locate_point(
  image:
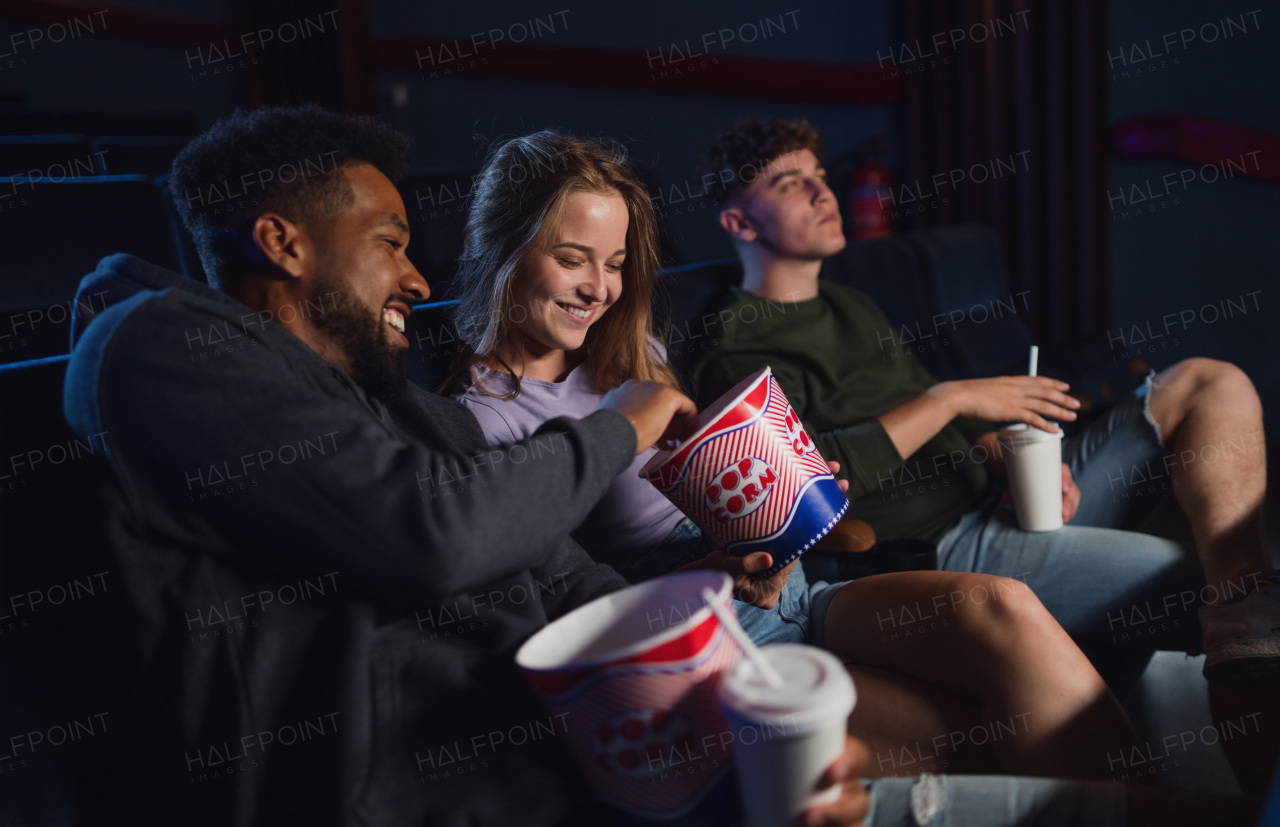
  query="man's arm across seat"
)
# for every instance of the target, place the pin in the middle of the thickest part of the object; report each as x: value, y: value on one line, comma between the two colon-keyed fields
x: 334, y: 486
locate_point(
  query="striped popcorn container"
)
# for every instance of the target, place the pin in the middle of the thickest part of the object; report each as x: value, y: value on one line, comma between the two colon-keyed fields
x: 751, y: 477
x: 636, y: 674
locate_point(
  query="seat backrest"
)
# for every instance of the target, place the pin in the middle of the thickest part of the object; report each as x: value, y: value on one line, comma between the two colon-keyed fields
x: 59, y: 229
x: 57, y: 592
x: 966, y: 279
x: 188, y: 256
x: 887, y: 270
x: 132, y: 122
x: 433, y: 340
x: 49, y: 156
x: 436, y: 203
x: 37, y: 332
x: 138, y: 154
x: 946, y: 295
x: 685, y: 299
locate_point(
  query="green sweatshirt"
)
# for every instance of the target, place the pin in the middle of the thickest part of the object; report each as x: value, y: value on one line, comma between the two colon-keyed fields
x: 841, y: 364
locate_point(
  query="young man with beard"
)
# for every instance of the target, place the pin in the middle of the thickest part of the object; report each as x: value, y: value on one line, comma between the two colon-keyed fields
x: 897, y: 432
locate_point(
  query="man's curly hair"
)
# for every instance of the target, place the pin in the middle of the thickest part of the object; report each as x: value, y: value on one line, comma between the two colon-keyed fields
x: 272, y: 159
x: 742, y: 152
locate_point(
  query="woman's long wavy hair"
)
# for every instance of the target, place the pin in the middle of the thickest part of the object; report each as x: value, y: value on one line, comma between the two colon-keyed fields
x: 516, y: 205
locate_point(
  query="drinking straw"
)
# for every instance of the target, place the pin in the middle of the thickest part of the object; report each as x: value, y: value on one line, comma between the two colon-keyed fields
x: 1035, y: 360
x: 730, y: 623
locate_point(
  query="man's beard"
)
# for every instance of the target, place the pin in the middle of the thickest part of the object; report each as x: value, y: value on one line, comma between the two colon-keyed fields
x: 379, y: 366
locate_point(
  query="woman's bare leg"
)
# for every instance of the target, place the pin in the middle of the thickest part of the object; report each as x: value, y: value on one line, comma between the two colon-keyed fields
x: 911, y: 727
x: 988, y: 639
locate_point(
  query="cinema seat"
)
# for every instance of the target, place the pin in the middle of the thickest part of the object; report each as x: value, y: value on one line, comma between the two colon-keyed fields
x: 54, y: 232
x: 436, y: 203
x: 890, y: 271
x: 59, y: 155
x: 683, y: 298
x: 432, y: 343
x: 110, y: 122
x: 36, y: 332
x: 23, y: 121
x: 137, y: 154
x: 188, y: 257
x: 966, y: 285
x: 57, y: 610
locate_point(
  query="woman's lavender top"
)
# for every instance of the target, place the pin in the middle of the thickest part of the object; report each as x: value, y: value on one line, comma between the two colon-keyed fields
x: 633, y: 516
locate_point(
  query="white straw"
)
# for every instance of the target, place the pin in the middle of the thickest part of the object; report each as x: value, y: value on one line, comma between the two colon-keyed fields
x: 1035, y: 361
x: 730, y: 623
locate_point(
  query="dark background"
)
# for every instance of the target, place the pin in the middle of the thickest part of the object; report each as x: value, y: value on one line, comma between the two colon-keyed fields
x: 1052, y: 87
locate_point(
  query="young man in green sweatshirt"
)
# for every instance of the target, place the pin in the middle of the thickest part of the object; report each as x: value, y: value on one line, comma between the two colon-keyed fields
x: 920, y: 453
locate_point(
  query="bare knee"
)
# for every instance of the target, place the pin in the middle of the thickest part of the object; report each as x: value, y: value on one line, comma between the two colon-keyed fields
x: 1198, y: 374
x: 1002, y: 608
x: 1197, y: 382
x: 1012, y: 630
x: 1230, y: 382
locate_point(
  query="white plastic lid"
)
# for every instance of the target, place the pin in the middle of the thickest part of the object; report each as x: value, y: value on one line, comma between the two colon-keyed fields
x: 1024, y: 434
x: 816, y: 691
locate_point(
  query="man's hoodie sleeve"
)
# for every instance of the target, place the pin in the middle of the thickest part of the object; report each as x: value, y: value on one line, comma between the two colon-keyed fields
x: 241, y: 455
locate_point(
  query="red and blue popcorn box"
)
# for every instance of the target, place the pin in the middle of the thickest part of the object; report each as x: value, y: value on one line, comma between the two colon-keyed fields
x: 751, y: 477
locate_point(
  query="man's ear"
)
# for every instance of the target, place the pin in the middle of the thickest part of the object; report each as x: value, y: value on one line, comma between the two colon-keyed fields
x: 736, y: 224
x: 282, y: 245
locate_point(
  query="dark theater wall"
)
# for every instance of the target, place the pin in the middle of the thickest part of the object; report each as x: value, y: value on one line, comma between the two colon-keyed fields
x: 1204, y: 244
x: 446, y: 103
x: 99, y: 69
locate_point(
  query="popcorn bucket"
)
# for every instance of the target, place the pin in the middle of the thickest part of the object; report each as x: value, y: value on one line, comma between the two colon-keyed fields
x: 751, y: 477
x: 637, y: 673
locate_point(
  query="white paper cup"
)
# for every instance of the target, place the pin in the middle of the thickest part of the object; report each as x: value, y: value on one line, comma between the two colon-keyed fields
x: 1033, y: 460
x: 787, y: 736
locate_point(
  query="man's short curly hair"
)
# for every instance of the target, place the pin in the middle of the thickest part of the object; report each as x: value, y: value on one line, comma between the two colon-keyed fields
x: 272, y: 159
x: 739, y: 155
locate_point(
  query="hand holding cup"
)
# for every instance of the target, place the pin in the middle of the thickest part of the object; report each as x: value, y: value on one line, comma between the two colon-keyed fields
x: 1033, y: 400
x: 854, y: 803
x: 801, y: 713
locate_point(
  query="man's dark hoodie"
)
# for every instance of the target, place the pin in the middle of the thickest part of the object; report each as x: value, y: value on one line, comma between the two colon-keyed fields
x: 323, y: 593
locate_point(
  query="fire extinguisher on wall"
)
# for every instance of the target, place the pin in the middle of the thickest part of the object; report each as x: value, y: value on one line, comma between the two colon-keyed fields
x: 871, y: 195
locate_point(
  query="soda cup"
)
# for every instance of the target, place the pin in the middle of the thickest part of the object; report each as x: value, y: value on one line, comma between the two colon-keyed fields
x: 1033, y: 460
x: 799, y: 730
